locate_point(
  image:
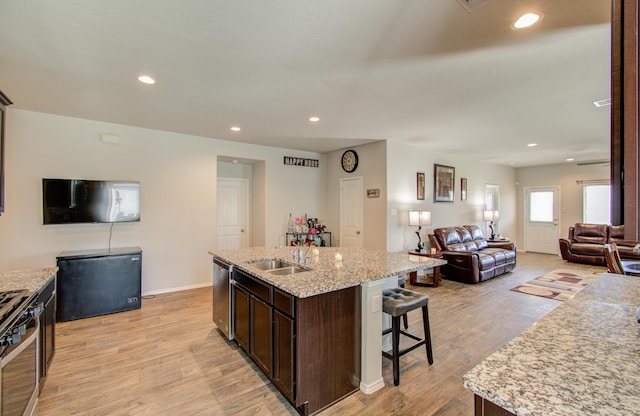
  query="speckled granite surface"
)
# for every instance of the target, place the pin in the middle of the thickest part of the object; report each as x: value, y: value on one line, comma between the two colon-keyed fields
x: 327, y: 274
x: 33, y: 280
x: 583, y: 358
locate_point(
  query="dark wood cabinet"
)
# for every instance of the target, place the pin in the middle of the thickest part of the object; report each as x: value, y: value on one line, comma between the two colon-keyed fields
x: 484, y: 407
x: 4, y: 101
x: 241, y: 317
x: 308, y: 347
x: 284, y: 353
x: 47, y: 342
x: 260, y: 341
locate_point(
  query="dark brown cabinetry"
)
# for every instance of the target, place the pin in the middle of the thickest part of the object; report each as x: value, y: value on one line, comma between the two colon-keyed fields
x: 260, y: 333
x: 283, y: 343
x: 308, y: 347
x: 241, y: 317
x: 253, y: 319
x: 4, y: 101
x: 47, y: 329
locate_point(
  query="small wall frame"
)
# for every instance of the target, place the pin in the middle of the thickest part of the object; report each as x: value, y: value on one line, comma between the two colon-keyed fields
x: 463, y: 189
x: 420, y: 186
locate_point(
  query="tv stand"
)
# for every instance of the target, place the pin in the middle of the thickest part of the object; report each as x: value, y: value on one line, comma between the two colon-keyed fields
x: 98, y: 282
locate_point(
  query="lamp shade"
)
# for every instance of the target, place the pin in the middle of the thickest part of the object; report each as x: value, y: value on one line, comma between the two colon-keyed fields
x: 490, y: 215
x: 419, y: 218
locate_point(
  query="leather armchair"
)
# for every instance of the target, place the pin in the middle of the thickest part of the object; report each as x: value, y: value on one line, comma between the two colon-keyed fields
x: 585, y: 243
x: 470, y: 257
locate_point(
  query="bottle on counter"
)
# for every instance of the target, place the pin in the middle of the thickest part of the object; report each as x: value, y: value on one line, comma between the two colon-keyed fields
x: 290, y: 224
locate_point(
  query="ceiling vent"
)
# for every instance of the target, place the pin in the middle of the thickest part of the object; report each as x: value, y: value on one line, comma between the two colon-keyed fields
x: 471, y: 5
x: 593, y: 162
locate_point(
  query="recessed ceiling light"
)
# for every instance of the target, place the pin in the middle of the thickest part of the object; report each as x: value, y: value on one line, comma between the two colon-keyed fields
x: 235, y: 128
x: 569, y: 159
x: 146, y: 79
x: 532, y: 144
x: 527, y: 20
x: 314, y: 119
x: 602, y: 103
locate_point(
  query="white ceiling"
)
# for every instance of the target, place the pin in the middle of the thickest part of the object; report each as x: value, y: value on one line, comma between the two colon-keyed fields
x: 425, y: 72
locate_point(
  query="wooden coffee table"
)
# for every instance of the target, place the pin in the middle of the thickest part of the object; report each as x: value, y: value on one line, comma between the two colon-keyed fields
x: 432, y: 280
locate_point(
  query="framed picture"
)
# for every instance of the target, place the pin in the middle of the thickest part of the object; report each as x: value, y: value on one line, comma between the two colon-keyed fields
x: 420, y: 185
x: 443, y: 183
x: 463, y: 189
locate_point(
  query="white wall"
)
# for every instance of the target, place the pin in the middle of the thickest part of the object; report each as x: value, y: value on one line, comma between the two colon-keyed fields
x: 177, y: 175
x: 403, y: 163
x: 372, y: 169
x: 564, y: 176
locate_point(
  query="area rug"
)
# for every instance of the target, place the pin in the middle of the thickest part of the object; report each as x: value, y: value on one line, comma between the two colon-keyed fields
x: 559, y: 284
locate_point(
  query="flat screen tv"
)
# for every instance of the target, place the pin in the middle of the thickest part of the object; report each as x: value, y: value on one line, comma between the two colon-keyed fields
x: 69, y: 201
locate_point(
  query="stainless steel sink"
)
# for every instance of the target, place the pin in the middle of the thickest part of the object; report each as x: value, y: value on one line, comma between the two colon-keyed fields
x: 271, y: 264
x: 278, y: 266
x: 289, y: 270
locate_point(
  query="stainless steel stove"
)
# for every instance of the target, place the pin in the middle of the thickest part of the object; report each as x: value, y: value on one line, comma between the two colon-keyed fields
x: 10, y: 300
x: 19, y: 329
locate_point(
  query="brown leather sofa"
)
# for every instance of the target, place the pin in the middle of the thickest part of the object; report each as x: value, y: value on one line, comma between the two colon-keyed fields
x: 470, y: 257
x: 585, y: 243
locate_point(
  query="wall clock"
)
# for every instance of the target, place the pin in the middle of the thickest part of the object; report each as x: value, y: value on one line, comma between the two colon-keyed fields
x: 349, y: 161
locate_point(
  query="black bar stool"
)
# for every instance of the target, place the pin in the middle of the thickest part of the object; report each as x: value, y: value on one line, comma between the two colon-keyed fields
x: 397, y: 302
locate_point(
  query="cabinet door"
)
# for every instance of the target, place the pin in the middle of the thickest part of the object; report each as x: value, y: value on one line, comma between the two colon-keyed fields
x: 241, y: 317
x: 260, y: 334
x: 283, y: 353
x: 49, y: 323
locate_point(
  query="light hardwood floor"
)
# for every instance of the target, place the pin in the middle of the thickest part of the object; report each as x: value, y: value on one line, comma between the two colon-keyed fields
x: 168, y: 357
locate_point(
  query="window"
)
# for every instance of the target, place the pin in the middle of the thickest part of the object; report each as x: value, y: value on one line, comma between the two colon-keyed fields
x: 541, y: 206
x: 596, y: 204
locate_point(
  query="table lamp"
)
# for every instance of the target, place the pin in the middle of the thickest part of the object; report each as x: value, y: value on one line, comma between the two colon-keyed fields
x: 419, y: 218
x: 490, y: 216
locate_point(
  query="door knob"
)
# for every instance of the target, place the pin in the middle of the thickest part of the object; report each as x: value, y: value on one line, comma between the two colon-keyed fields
x: 357, y: 232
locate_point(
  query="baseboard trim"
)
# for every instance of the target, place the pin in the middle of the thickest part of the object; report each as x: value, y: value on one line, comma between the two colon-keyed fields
x: 176, y: 289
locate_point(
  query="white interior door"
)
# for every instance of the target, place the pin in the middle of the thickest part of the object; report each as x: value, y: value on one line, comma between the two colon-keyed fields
x: 541, y: 230
x: 351, y: 190
x: 233, y: 213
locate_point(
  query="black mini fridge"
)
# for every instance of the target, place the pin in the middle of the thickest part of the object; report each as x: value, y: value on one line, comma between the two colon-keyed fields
x: 98, y: 282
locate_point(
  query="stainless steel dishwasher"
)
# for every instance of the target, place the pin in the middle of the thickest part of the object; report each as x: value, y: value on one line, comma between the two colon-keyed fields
x: 222, y: 300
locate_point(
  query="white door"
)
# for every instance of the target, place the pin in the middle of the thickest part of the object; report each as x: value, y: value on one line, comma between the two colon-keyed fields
x: 541, y: 230
x: 233, y: 213
x: 351, y: 190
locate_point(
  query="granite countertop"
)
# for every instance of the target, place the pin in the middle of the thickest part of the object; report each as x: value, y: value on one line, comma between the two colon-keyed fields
x: 583, y: 358
x: 358, y: 265
x: 34, y: 280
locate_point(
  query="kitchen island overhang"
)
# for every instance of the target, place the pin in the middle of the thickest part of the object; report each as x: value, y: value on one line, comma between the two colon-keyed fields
x: 364, y: 273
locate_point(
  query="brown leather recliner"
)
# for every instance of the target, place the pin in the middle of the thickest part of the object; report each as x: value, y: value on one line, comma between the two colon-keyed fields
x: 585, y: 243
x: 470, y: 257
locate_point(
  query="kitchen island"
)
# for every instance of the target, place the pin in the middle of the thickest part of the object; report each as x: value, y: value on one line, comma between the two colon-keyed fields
x: 330, y: 326
x: 583, y: 358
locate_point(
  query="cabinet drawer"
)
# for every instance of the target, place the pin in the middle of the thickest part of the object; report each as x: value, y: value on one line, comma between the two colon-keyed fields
x: 262, y: 290
x: 283, y: 301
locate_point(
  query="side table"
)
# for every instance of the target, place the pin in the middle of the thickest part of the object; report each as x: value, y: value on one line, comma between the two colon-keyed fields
x: 430, y: 280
